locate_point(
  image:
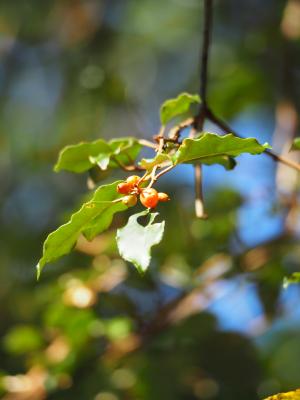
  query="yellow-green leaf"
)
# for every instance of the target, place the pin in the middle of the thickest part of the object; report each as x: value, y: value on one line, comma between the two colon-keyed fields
x: 286, y: 396
x: 296, y: 144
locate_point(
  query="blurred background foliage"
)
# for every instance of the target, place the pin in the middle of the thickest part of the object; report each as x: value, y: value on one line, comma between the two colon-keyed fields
x: 210, y: 320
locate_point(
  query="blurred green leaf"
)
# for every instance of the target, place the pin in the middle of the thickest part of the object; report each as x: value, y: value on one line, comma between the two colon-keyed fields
x: 22, y: 339
x: 93, y: 217
x: 296, y: 144
x: 288, y: 280
x: 214, y: 149
x: 83, y: 156
x: 118, y: 328
x: 178, y: 106
x: 286, y: 396
x: 135, y: 241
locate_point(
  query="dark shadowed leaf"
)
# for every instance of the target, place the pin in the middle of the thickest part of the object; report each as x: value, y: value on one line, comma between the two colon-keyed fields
x: 135, y: 240
x: 178, y: 106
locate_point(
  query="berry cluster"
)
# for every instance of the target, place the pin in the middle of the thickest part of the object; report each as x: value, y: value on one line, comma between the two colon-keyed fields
x: 132, y: 188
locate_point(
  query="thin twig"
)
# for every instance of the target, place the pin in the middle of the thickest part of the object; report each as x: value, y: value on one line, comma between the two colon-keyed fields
x: 164, y: 171
x: 225, y: 127
x: 200, y: 118
x: 147, y: 143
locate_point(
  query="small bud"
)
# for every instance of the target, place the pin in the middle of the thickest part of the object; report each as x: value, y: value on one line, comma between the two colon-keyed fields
x: 163, y: 197
x: 130, y: 200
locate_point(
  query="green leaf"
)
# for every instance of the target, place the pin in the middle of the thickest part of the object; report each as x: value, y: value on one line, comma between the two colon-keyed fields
x: 83, y: 156
x: 296, y: 144
x: 214, y: 149
x: 93, y: 217
x: 286, y: 396
x: 288, y: 280
x: 178, y: 106
x: 135, y: 241
x: 160, y: 158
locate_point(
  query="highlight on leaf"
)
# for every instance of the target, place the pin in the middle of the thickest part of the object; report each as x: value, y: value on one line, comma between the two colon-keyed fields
x: 292, y: 279
x: 295, y: 395
x: 135, y: 240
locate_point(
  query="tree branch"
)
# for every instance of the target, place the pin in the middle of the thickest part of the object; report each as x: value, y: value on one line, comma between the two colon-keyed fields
x: 226, y: 128
x: 200, y: 118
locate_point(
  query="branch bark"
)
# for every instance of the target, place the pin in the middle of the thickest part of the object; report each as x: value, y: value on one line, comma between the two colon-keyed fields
x: 200, y: 118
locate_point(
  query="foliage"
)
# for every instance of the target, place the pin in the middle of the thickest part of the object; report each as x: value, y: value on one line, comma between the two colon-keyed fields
x: 93, y: 327
x: 134, y: 242
x: 286, y: 396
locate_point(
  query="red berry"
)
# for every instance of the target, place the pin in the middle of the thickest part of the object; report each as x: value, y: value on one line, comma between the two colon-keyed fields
x: 149, y: 197
x: 130, y: 200
x: 163, y: 197
x: 123, y: 188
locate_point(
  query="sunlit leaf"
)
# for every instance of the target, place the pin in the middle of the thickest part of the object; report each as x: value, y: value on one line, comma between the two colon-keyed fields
x: 135, y: 240
x: 296, y: 144
x: 83, y: 156
x: 178, y: 106
x: 286, y: 396
x: 294, y: 278
x: 214, y: 149
x: 93, y: 217
x: 149, y: 163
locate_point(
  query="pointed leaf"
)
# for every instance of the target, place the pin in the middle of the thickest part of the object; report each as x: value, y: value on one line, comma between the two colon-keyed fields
x: 93, y: 217
x: 83, y: 156
x: 135, y: 241
x: 178, y: 106
x: 214, y: 149
x: 296, y: 144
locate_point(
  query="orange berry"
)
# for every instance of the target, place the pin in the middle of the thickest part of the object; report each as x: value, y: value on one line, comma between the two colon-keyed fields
x: 163, y: 197
x: 149, y: 197
x: 130, y: 200
x: 123, y: 188
x: 133, y: 180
